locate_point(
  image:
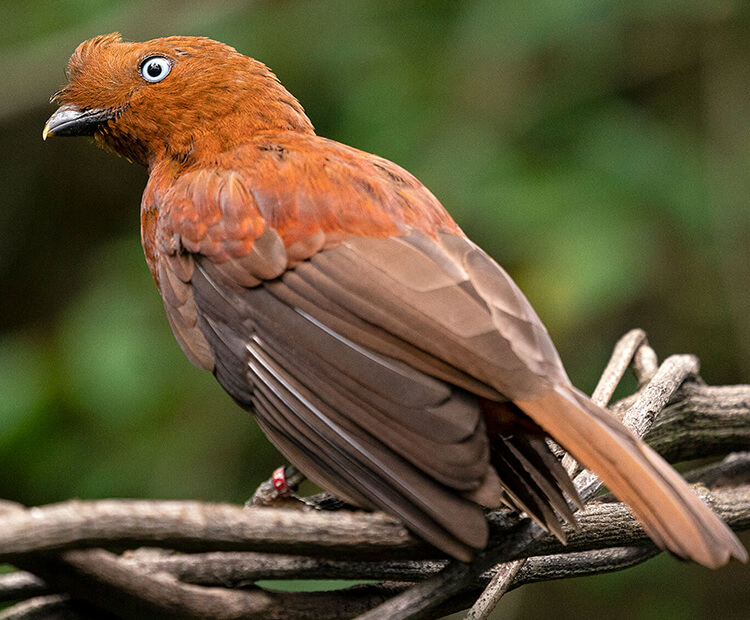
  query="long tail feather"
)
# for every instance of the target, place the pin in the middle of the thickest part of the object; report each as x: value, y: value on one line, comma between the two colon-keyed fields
x: 670, y: 512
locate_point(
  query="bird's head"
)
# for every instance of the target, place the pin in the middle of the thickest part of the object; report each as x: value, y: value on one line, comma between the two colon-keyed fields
x: 176, y: 97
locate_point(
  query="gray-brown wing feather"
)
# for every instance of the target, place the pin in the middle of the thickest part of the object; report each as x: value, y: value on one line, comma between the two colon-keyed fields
x: 454, y: 303
x: 406, y: 451
x: 364, y: 365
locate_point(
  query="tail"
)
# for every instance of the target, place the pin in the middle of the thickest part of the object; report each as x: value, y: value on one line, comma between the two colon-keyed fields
x: 670, y: 512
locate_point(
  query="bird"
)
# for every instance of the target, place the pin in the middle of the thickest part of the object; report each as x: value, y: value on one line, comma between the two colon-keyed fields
x: 386, y: 355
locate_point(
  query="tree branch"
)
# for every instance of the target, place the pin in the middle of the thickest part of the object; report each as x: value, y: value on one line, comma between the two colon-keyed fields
x: 188, y: 525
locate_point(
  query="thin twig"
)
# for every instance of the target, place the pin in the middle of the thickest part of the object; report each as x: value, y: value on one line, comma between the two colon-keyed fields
x: 500, y: 583
x: 622, y: 356
x: 53, y: 607
x: 631, y: 350
x: 20, y: 586
x: 653, y: 398
x: 240, y: 568
x: 645, y: 364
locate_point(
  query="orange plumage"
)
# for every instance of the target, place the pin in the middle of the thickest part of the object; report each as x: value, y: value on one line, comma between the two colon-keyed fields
x: 329, y: 292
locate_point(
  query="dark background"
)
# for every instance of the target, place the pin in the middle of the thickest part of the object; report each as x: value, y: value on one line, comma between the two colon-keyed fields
x: 599, y: 150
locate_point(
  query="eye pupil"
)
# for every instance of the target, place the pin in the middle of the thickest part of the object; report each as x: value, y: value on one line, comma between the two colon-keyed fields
x: 154, y: 69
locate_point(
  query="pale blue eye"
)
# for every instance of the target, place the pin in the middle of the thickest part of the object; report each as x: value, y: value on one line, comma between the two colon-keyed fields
x: 155, y: 68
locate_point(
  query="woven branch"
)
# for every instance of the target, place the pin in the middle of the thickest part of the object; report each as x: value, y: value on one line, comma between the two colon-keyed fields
x: 196, y: 560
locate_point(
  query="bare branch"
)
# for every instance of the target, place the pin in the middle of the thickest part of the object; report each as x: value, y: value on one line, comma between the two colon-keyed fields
x: 20, y: 586
x: 673, y: 372
x: 137, y: 586
x: 622, y: 356
x: 99, y: 577
x: 54, y: 607
x: 501, y: 582
x: 704, y: 421
x: 190, y: 525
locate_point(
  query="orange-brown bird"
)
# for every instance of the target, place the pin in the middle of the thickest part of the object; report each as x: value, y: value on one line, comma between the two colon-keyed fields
x: 382, y: 352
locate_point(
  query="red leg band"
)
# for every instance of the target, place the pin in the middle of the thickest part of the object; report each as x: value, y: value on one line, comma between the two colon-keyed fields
x: 278, y: 478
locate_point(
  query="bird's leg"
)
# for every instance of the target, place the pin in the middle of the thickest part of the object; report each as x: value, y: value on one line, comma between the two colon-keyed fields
x: 281, y: 490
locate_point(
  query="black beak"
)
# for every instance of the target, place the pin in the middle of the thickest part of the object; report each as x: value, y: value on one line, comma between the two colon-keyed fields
x: 72, y: 121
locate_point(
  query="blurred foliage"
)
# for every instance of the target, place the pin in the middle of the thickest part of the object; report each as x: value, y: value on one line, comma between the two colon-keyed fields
x: 599, y: 150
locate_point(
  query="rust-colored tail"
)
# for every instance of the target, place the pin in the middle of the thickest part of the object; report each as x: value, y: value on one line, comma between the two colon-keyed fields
x: 671, y: 513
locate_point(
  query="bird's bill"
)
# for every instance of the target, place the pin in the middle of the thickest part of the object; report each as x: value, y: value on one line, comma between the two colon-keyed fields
x: 70, y: 120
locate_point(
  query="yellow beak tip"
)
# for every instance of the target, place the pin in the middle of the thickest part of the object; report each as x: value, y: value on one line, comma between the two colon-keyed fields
x: 46, y: 132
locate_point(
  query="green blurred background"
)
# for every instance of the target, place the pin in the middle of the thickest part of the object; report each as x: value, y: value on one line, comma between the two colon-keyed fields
x: 599, y: 150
